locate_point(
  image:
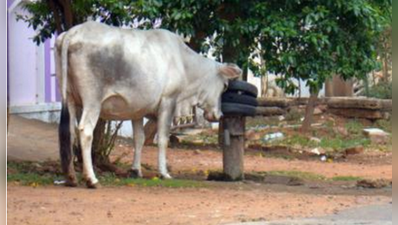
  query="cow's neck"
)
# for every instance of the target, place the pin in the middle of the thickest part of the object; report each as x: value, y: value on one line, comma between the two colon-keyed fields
x: 200, y: 74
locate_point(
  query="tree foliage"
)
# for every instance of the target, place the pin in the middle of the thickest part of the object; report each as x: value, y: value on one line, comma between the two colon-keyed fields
x: 309, y: 40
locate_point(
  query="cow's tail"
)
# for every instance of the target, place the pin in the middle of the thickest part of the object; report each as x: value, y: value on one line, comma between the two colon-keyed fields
x: 65, y: 145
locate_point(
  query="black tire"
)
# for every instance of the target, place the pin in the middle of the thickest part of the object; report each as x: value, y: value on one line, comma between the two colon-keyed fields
x: 241, y: 86
x: 238, y: 109
x: 231, y: 97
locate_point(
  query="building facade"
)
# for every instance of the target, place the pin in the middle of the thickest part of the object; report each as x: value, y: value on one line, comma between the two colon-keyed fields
x: 32, y: 85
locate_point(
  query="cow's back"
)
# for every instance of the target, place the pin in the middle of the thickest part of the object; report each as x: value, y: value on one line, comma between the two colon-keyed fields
x: 126, y: 71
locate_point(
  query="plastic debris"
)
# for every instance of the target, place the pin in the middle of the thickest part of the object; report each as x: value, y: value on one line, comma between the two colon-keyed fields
x: 274, y: 137
x: 316, y: 151
x: 59, y: 182
x: 315, y: 140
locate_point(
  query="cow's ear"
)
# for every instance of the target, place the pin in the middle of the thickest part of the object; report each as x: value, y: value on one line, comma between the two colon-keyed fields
x: 230, y: 71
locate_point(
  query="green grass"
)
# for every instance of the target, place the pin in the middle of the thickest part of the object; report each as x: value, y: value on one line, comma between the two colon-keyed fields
x: 298, y: 140
x: 355, y: 128
x: 35, y: 179
x: 261, y: 121
x: 385, y: 125
x: 327, y: 143
x: 205, y: 139
x: 31, y: 179
x: 340, y: 144
x: 346, y: 178
x: 297, y: 174
x: 312, y: 176
x: 294, y: 116
x: 111, y: 180
x: 26, y: 174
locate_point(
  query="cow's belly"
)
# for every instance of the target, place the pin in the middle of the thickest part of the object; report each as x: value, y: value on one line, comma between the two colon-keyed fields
x: 118, y: 108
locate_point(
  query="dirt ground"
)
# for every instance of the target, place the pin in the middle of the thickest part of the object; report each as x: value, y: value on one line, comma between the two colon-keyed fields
x: 219, y: 203
x: 371, y: 165
x: 124, y: 205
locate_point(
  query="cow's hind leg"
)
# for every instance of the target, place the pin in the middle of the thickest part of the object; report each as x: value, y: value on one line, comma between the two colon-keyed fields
x: 71, y: 179
x: 139, y: 139
x: 86, y: 128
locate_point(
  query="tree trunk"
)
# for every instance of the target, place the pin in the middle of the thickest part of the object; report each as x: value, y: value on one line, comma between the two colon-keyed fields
x: 386, y: 69
x: 264, y: 86
x: 67, y: 14
x: 341, y: 87
x: 309, y: 113
x: 57, y: 17
x: 245, y: 73
x: 150, y: 130
x: 329, y: 88
x: 98, y: 137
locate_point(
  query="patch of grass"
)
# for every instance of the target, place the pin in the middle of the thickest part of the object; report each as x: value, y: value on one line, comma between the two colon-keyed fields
x: 385, y: 125
x: 346, y: 178
x: 312, y: 176
x: 327, y: 143
x: 31, y: 179
x: 339, y: 144
x: 111, y: 180
x: 260, y: 121
x: 355, y: 128
x: 27, y: 174
x: 209, y: 138
x: 330, y: 125
x: 297, y: 140
x: 382, y: 90
x: 200, y: 139
x: 20, y: 166
x: 294, y: 115
x: 297, y: 174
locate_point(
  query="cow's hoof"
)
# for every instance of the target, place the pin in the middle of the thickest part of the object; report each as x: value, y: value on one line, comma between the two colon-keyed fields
x: 91, y: 185
x: 136, y: 174
x: 71, y: 181
x: 165, y: 176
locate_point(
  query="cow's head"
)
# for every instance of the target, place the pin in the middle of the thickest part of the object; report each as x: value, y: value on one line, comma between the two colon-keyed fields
x: 210, y: 101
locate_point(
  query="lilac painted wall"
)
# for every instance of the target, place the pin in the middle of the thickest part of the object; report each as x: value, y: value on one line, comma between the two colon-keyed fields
x: 9, y: 3
x: 30, y: 67
x: 47, y: 61
x: 22, y: 63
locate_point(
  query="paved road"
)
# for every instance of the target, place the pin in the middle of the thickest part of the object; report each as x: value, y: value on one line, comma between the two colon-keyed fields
x: 371, y: 215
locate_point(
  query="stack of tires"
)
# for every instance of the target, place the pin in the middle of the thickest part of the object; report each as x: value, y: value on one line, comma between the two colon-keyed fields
x: 240, y: 99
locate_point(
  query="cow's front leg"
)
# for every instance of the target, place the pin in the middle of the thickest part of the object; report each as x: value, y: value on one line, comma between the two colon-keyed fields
x: 139, y: 139
x: 164, y: 122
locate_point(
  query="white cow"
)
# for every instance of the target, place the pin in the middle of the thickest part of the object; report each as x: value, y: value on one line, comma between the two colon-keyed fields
x: 128, y: 74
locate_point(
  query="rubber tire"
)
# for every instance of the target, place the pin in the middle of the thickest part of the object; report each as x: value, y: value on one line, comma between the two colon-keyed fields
x: 241, y: 86
x: 232, y: 97
x: 238, y: 109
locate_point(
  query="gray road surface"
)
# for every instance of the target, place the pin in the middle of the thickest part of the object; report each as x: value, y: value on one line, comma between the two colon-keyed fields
x: 371, y: 215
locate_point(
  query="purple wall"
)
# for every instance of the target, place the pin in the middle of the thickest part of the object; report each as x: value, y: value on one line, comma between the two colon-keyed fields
x: 47, y: 61
x: 28, y: 76
x: 22, y: 63
x: 9, y: 3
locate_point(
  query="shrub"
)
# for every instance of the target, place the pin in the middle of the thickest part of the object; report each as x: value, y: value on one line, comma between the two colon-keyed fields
x: 382, y: 90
